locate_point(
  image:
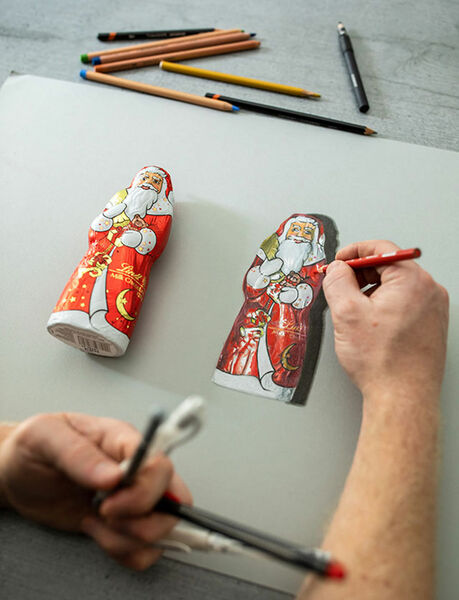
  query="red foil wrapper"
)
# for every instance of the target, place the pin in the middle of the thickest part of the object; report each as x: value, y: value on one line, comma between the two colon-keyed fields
x: 98, y: 309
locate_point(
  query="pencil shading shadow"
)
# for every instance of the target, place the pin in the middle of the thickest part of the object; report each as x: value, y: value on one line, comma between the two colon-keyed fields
x: 316, y: 325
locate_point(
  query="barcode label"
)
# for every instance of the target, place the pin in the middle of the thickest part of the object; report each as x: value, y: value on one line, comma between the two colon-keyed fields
x: 93, y: 346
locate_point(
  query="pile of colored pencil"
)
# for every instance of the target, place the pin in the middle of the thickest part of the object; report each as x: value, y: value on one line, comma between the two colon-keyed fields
x: 179, y: 45
x: 221, y: 41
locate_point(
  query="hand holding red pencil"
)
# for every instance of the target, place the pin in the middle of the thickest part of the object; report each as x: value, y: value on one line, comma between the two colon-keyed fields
x: 396, y: 336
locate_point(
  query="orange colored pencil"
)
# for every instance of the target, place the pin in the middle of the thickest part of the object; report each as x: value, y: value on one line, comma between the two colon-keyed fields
x: 187, y: 44
x: 90, y: 55
x: 154, y: 90
x: 184, y: 55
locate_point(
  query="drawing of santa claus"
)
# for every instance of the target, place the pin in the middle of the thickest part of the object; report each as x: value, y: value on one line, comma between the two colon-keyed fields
x: 265, y: 349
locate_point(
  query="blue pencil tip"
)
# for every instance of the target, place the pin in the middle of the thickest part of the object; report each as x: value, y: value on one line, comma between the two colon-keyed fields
x: 83, y: 73
x: 235, y: 108
x: 95, y: 61
x: 253, y: 34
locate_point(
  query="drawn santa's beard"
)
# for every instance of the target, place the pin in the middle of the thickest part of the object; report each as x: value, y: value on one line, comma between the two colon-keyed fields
x: 138, y: 201
x: 294, y: 254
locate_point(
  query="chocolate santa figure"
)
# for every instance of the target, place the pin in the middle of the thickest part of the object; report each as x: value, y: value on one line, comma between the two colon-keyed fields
x: 265, y: 349
x: 98, y: 308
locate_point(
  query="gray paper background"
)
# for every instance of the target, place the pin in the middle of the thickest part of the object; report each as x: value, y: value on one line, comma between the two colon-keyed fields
x: 65, y: 149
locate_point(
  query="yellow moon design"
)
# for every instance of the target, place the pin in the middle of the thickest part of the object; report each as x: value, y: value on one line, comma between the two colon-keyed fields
x: 121, y: 301
x: 284, y: 359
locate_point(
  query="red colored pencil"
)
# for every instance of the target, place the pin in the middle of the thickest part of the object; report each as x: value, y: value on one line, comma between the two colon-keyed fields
x: 377, y: 260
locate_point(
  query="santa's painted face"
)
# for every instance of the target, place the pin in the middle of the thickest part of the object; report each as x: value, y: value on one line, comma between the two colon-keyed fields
x: 149, y: 181
x: 300, y: 232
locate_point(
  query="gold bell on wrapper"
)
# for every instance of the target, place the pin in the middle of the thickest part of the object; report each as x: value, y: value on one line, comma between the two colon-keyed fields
x: 98, y: 309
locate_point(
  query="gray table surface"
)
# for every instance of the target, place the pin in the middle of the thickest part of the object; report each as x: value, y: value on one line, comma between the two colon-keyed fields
x: 408, y: 53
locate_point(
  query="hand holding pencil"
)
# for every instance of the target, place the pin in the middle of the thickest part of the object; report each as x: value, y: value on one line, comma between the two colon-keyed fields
x: 49, y: 464
x: 397, y: 333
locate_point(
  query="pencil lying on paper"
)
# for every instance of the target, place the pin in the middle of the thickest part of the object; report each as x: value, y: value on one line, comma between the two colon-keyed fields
x: 314, y: 560
x: 146, y: 88
x: 183, y: 55
x: 237, y: 79
x: 377, y: 260
x: 293, y: 115
x: 150, y: 35
x: 182, y: 44
x: 88, y: 56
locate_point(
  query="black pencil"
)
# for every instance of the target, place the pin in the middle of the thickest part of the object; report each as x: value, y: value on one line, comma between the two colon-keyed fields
x: 130, y: 467
x: 283, y: 113
x: 150, y: 35
x: 352, y: 68
x: 313, y: 560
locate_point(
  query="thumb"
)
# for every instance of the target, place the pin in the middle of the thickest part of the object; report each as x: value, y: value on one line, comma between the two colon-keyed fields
x: 78, y: 457
x: 342, y: 290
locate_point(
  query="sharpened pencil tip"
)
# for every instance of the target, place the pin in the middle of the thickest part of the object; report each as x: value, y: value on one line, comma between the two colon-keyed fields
x: 369, y: 131
x: 234, y: 108
x: 253, y: 34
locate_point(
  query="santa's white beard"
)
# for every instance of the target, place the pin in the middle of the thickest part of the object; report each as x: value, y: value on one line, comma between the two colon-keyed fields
x: 294, y: 254
x: 138, y: 201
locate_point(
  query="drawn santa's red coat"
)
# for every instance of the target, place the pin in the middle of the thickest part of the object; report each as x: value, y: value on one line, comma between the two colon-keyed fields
x: 98, y: 308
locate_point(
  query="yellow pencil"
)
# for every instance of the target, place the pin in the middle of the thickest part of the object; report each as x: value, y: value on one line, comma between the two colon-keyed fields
x: 256, y: 83
x: 154, y: 90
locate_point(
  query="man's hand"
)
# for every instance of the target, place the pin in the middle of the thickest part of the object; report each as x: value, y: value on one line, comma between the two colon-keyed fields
x: 392, y: 343
x: 397, y: 335
x: 51, y: 465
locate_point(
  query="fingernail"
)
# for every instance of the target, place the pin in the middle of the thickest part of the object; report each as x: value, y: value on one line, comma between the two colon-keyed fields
x: 332, y: 266
x: 106, y: 471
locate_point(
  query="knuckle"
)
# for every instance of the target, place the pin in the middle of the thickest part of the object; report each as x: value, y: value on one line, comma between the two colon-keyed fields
x: 345, y: 310
x: 386, y: 244
x: 30, y: 429
x: 444, y: 295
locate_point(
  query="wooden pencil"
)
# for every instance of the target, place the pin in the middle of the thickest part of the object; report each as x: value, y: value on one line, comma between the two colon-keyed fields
x: 379, y: 260
x: 146, y: 61
x: 87, y: 57
x: 293, y: 115
x: 146, y: 88
x: 238, y: 80
x: 187, y: 44
x: 150, y: 35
